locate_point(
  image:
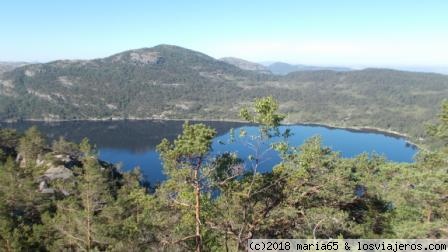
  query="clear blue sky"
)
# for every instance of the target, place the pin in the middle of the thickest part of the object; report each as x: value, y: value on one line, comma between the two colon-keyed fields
x: 346, y: 32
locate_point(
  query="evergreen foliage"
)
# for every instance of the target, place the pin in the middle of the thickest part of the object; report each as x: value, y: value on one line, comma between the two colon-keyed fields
x: 216, y: 203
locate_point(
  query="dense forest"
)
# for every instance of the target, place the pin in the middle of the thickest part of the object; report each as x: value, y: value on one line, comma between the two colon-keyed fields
x: 59, y: 197
x: 173, y: 82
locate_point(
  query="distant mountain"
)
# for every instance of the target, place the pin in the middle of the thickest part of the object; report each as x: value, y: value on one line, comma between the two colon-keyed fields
x: 168, y: 81
x: 282, y: 68
x: 246, y: 65
x: 424, y: 69
x: 8, y: 66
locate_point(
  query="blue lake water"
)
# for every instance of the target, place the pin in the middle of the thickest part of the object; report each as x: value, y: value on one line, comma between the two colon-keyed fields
x: 132, y: 143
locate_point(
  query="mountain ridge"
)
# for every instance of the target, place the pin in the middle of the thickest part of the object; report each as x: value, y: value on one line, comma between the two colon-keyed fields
x: 246, y: 65
x: 6, y: 66
x: 173, y: 82
x: 283, y: 68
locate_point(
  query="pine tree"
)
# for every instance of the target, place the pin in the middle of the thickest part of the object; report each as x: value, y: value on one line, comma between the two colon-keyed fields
x: 184, y: 163
x: 9, y: 140
x: 79, y: 217
x: 243, y: 205
x: 133, y: 219
x: 9, y: 203
x: 19, y: 208
x: 440, y: 130
x: 31, y: 145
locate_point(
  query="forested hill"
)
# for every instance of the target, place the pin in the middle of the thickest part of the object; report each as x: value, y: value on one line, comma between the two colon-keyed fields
x: 173, y: 82
x: 161, y: 81
x: 282, y: 68
x: 247, y: 65
x: 8, y: 66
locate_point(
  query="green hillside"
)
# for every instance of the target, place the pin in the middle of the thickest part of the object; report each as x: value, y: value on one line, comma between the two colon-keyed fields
x: 173, y: 82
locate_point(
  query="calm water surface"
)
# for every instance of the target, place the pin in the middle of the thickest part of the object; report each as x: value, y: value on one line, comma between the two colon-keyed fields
x: 132, y: 143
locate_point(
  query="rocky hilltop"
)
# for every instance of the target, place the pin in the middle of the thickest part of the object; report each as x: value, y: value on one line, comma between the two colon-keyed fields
x: 168, y: 81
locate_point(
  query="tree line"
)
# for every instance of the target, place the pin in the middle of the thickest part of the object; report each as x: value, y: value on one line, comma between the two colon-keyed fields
x: 61, y: 197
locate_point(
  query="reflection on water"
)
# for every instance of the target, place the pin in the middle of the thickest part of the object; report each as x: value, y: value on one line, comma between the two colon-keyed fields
x: 136, y: 136
x: 132, y: 143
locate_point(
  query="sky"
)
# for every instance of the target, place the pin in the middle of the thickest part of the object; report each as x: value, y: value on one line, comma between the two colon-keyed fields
x: 319, y: 32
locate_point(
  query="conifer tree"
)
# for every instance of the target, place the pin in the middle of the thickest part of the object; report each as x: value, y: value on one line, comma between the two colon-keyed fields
x: 31, y: 145
x: 134, y: 218
x: 79, y: 217
x: 19, y: 208
x: 184, y: 162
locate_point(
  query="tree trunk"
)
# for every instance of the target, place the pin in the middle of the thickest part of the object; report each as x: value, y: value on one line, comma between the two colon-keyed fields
x: 197, y: 192
x: 429, y: 215
x: 88, y: 210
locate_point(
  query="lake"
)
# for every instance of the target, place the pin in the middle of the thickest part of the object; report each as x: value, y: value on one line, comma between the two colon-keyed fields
x: 132, y: 143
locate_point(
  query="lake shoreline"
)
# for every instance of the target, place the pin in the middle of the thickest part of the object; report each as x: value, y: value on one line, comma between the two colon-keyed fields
x: 368, y: 129
x: 365, y: 129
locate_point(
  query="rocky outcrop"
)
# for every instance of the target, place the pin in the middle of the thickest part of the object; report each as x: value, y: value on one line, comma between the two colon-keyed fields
x: 43, y: 188
x: 145, y: 57
x: 58, y: 172
x: 60, y: 168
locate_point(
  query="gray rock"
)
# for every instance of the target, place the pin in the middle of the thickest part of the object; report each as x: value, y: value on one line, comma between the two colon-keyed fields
x: 42, y: 185
x: 58, y: 172
x: 63, y: 158
x: 40, y: 161
x: 47, y: 190
x: 65, y: 192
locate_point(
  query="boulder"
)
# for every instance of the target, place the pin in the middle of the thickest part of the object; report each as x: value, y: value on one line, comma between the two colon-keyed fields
x: 43, y: 188
x: 42, y: 185
x: 58, y: 172
x: 63, y: 158
x: 48, y: 191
